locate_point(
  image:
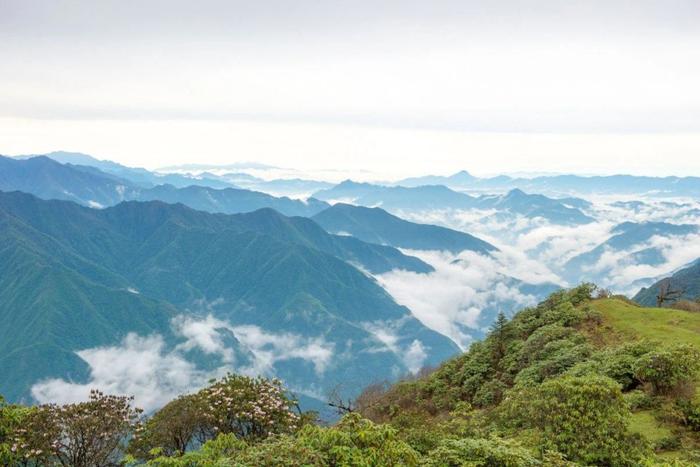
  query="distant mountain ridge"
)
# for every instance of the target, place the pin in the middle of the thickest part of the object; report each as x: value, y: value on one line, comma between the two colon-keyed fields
x: 375, y: 225
x: 565, y: 184
x: 426, y: 197
x: 48, y: 179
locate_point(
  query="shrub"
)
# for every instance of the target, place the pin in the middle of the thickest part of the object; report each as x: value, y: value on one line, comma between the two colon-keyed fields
x: 638, y: 400
x: 668, y: 368
x: 585, y: 418
x: 686, y: 305
x: 248, y: 408
x: 85, y: 434
x: 354, y: 441
x: 480, y: 452
x: 690, y: 413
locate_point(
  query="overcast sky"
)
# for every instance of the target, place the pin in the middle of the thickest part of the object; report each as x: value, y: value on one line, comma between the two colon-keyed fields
x: 395, y: 87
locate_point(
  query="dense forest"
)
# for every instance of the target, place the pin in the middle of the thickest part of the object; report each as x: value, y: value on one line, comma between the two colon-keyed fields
x: 580, y: 379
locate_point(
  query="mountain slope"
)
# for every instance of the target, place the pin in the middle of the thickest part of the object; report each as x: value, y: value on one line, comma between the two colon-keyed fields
x: 138, y: 176
x: 49, y: 179
x: 74, y: 278
x: 378, y: 226
x: 568, y: 345
x: 686, y: 280
x: 230, y: 200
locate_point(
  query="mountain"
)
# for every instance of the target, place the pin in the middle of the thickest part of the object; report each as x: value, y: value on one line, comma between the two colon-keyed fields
x: 565, y: 372
x: 88, y: 185
x: 566, y: 184
x: 138, y: 176
x: 534, y: 205
x: 49, y: 179
x: 74, y: 278
x: 432, y: 197
x: 686, y: 280
x: 630, y: 241
x: 375, y: 225
x: 396, y: 197
x: 461, y: 179
x: 230, y: 200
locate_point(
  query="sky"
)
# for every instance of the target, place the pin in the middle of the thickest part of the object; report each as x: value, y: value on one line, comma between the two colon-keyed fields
x: 396, y: 88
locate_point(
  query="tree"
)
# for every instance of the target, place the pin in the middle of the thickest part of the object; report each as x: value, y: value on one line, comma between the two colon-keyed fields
x: 172, y: 429
x: 247, y: 408
x: 667, y: 293
x: 86, y: 434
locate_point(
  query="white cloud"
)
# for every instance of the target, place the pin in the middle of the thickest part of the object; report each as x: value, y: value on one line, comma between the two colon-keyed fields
x: 203, y: 334
x: 138, y: 366
x: 450, y: 300
x: 269, y: 348
x: 618, y: 270
x: 154, y: 374
x: 415, y: 356
x: 387, y: 332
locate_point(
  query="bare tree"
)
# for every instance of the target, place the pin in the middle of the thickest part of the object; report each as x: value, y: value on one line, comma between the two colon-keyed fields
x: 667, y: 293
x: 339, y: 403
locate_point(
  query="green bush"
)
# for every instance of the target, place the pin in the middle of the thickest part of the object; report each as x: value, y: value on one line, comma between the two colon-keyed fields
x: 668, y: 368
x: 480, y: 452
x: 585, y: 418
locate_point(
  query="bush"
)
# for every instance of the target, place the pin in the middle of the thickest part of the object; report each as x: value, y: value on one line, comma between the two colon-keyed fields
x: 686, y: 305
x: 12, y: 417
x: 668, y: 368
x: 248, y: 408
x: 585, y: 418
x: 354, y: 441
x: 86, y: 434
x: 638, y: 400
x: 480, y: 452
x: 690, y: 413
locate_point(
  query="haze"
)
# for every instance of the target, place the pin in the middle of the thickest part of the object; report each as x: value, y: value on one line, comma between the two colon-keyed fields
x: 392, y: 88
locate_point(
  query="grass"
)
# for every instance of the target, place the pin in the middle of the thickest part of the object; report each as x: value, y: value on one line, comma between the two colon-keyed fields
x: 645, y: 423
x: 622, y: 319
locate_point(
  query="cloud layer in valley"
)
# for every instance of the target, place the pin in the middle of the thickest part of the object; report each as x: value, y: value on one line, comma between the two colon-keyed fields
x: 154, y: 373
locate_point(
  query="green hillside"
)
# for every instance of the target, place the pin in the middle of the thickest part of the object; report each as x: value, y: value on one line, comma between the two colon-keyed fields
x: 537, y: 380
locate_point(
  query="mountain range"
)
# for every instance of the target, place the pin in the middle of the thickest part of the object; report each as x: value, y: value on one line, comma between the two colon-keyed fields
x: 375, y: 225
x: 565, y: 184
x: 74, y: 278
x: 88, y: 185
x: 431, y: 197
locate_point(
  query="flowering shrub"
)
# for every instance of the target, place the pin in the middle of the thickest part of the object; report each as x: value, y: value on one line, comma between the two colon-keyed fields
x: 247, y: 408
x: 87, y: 434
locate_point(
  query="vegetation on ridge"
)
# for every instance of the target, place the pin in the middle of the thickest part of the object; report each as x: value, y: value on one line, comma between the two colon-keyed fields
x: 572, y: 381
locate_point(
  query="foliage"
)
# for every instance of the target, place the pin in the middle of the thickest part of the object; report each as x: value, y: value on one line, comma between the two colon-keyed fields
x: 354, y: 441
x: 247, y: 408
x: 86, y: 434
x: 584, y: 418
x: 667, y: 368
x: 690, y: 413
x: 480, y: 452
x: 11, y: 418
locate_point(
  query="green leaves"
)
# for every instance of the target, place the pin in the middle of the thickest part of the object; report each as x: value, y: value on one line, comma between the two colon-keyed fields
x: 666, y: 369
